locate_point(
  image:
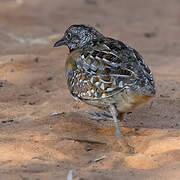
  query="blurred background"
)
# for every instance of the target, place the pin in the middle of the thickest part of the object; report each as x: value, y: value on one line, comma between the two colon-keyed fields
x: 150, y: 26
x: 37, y: 110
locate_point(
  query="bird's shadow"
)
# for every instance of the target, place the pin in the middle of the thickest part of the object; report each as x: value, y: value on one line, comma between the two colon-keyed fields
x: 161, y: 113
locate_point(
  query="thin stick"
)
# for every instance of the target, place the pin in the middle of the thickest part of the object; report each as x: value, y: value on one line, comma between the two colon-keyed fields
x: 99, y: 159
x: 84, y: 140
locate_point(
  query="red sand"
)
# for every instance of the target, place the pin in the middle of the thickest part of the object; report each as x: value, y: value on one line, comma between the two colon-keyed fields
x: 32, y: 144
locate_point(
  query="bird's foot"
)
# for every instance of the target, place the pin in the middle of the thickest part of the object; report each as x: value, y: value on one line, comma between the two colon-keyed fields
x: 114, y: 113
x: 106, y: 116
x: 100, y: 115
x: 118, y: 133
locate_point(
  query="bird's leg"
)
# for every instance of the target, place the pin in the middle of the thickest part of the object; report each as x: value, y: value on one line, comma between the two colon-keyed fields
x: 114, y: 113
x: 100, y: 115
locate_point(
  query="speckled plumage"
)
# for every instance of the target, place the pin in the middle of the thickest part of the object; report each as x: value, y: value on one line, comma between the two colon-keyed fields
x: 105, y: 72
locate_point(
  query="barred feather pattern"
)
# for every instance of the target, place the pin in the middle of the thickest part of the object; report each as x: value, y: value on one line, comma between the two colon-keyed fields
x: 106, y: 68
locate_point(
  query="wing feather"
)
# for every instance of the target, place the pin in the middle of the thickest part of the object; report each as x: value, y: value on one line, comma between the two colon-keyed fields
x: 107, y: 68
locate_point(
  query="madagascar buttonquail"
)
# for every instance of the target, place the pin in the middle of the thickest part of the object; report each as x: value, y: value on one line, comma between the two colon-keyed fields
x: 105, y: 72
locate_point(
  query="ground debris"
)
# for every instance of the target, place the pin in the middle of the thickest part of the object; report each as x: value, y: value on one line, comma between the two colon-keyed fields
x: 49, y: 78
x: 164, y: 96
x: 69, y: 175
x: 88, y: 148
x: 7, y: 121
x: 149, y: 34
x: 55, y: 113
x: 84, y: 140
x: 97, y: 159
x: 3, y: 83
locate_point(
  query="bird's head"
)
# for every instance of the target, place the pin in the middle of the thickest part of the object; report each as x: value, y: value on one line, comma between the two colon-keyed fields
x: 78, y: 36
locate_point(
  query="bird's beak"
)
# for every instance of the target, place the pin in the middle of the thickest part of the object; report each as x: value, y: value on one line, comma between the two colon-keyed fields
x: 60, y: 42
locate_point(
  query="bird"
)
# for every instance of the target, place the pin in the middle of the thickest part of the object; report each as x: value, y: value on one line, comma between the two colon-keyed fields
x: 105, y: 73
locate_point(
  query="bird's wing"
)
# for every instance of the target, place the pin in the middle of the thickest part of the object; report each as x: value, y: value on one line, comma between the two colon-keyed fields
x: 105, y: 69
x: 132, y: 60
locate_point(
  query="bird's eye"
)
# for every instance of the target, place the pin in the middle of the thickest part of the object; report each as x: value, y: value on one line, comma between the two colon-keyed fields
x: 68, y: 36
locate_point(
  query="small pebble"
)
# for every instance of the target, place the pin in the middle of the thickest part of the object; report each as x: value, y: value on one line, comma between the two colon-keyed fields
x: 88, y: 148
x: 36, y: 59
x: 3, y: 83
x: 55, y: 113
x: 149, y: 34
x: 49, y: 78
x: 89, y: 161
x: 31, y: 103
x: 11, y: 70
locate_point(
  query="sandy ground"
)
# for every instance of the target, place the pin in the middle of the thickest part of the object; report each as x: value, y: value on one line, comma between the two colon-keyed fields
x: 38, y: 114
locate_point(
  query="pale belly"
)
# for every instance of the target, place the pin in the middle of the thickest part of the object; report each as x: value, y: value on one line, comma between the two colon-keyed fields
x: 124, y: 101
